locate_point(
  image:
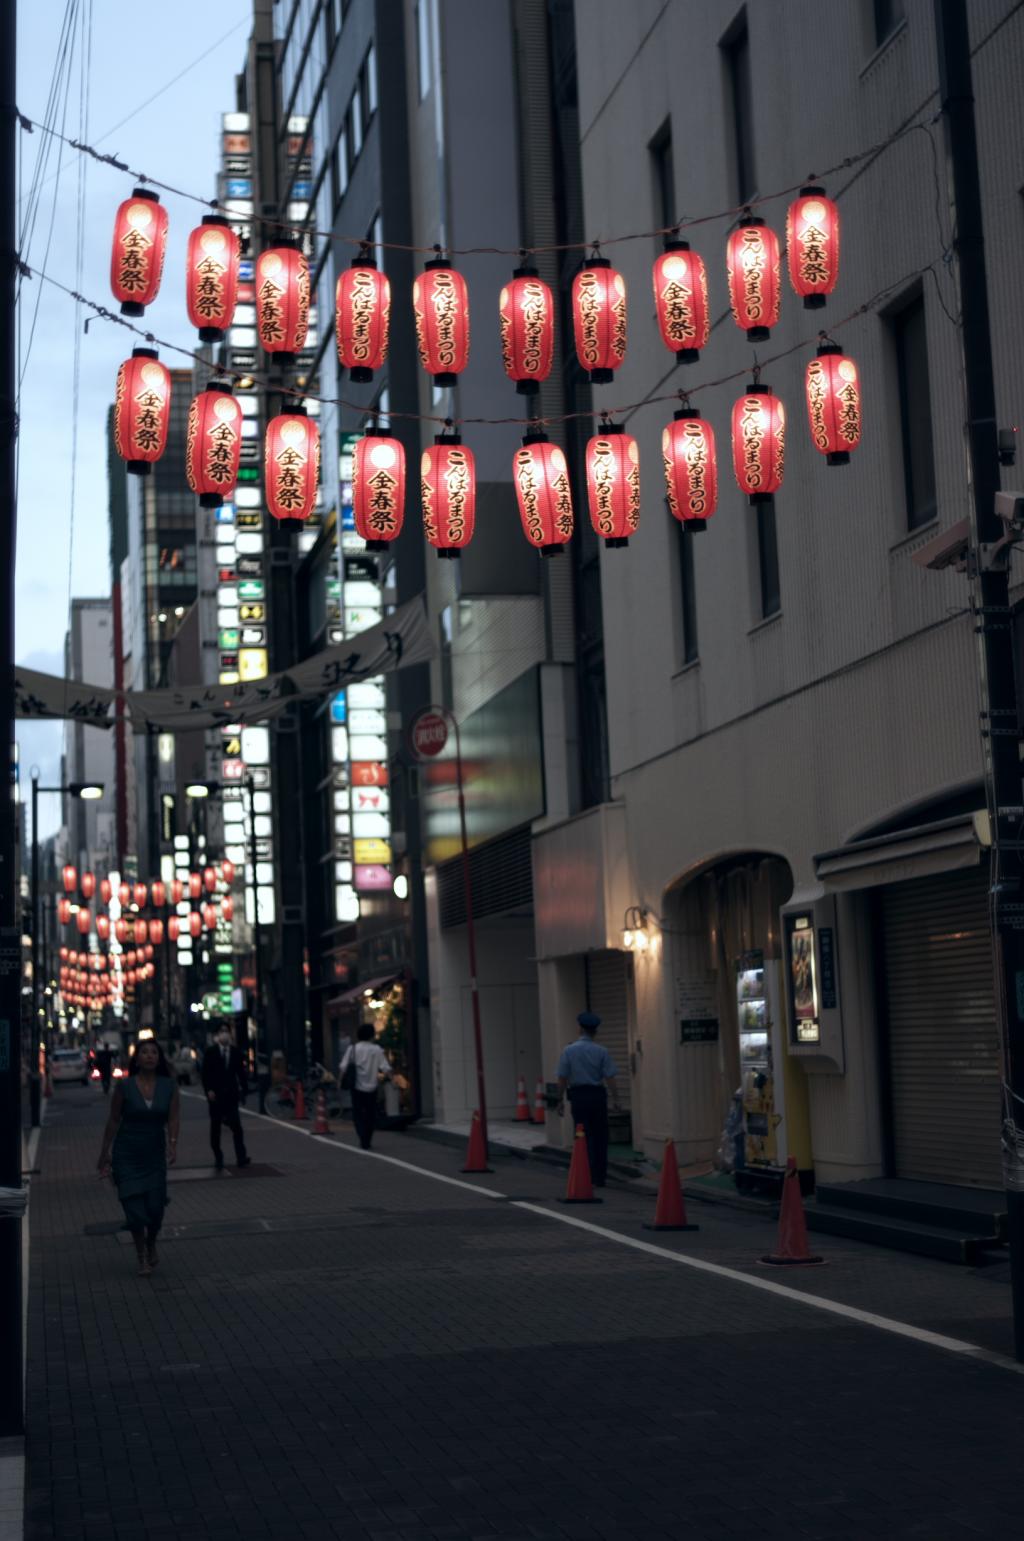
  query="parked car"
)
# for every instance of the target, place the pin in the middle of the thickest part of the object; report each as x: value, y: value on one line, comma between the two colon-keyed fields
x: 185, y: 1065
x: 69, y: 1065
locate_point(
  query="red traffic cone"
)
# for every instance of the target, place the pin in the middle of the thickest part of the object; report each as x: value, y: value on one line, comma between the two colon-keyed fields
x: 300, y: 1102
x: 670, y: 1213
x: 476, y: 1151
x: 320, y: 1124
x: 792, y: 1243
x: 579, y: 1189
x: 522, y: 1106
x: 540, y: 1106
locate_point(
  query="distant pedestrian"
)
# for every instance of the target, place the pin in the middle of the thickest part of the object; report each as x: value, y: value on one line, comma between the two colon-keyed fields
x: 371, y: 1064
x: 105, y: 1065
x: 587, y: 1071
x: 140, y: 1141
x: 225, y: 1085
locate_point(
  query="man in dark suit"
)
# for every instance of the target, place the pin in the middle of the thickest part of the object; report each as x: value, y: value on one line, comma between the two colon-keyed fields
x: 224, y: 1084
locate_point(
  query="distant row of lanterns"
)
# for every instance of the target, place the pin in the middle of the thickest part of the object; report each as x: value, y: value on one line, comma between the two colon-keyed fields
x: 280, y: 293
x: 156, y: 893
x: 146, y: 932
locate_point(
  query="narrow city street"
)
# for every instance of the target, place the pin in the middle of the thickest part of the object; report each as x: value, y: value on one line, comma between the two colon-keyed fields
x: 336, y: 1345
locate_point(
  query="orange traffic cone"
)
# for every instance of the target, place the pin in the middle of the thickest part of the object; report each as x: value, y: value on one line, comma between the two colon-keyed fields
x: 670, y: 1213
x: 300, y: 1102
x: 792, y: 1244
x: 579, y: 1189
x: 540, y: 1106
x: 320, y: 1124
x: 522, y: 1106
x: 476, y: 1151
x: 47, y: 1086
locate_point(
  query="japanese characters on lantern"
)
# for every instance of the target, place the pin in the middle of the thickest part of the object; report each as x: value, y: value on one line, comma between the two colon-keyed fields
x: 362, y: 318
x: 753, y: 270
x: 759, y: 443
x: 440, y: 303
x: 599, y: 319
x: 681, y: 300
x: 812, y: 246
x: 613, y: 484
x: 543, y: 493
x: 448, y: 494
x: 211, y: 277
x: 378, y: 489
x: 138, y: 251
x: 142, y: 410
x: 292, y: 465
x: 282, y: 300
x: 526, y: 312
x: 213, y: 444
x: 691, y: 469
x: 833, y: 403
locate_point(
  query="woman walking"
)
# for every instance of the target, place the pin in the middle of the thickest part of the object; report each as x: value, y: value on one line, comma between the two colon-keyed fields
x: 370, y: 1064
x: 143, y: 1131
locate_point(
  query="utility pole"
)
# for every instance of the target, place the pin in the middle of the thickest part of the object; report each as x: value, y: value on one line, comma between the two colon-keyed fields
x: 11, y: 1378
x: 1000, y: 726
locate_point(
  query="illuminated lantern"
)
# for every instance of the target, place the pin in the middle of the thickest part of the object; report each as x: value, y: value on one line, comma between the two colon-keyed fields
x: 691, y: 469
x: 440, y: 303
x: 130, y: 958
x: 195, y: 923
x: 64, y: 952
x: 211, y: 277
x: 541, y: 479
x: 177, y: 889
x: 121, y: 931
x: 157, y: 894
x: 124, y: 896
x: 833, y: 403
x: 147, y: 951
x: 63, y: 911
x: 362, y: 317
x: 759, y: 443
x: 753, y: 268
x: 209, y: 913
x: 227, y: 907
x: 84, y: 921
x: 209, y: 879
x: 138, y: 251
x: 131, y: 976
x: 195, y: 885
x: 213, y: 444
x: 156, y: 932
x: 103, y: 927
x: 681, y: 300
x: 599, y: 319
x: 613, y: 484
x: 105, y: 890
x: 526, y: 312
x: 140, y: 930
x: 139, y: 894
x: 88, y: 885
x: 227, y: 872
x: 448, y: 493
x: 291, y: 463
x: 812, y: 246
x: 282, y: 300
x: 97, y: 964
x: 173, y: 928
x: 142, y: 410
x: 378, y: 489
x: 69, y: 877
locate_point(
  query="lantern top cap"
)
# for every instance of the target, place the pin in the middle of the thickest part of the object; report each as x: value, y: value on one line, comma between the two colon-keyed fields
x: 374, y: 431
x: 284, y: 243
x: 812, y: 190
x: 673, y: 242
x: 525, y: 270
x: 606, y: 426
x: 449, y: 434
x: 440, y: 261
x: 684, y: 413
x: 295, y: 409
x: 145, y: 353
x: 216, y: 219
x: 146, y: 192
x: 747, y: 218
x: 224, y: 386
x: 758, y: 388
x: 596, y: 261
x: 827, y: 346
x: 535, y: 435
x: 364, y: 259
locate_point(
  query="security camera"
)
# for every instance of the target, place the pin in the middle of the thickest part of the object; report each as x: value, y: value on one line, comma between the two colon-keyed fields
x: 948, y: 549
x: 1010, y: 509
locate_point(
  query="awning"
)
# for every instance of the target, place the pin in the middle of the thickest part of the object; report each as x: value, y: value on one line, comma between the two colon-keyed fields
x: 918, y: 851
x: 373, y: 985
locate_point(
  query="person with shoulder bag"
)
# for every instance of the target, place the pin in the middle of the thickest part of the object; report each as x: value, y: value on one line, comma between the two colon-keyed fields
x: 362, y: 1068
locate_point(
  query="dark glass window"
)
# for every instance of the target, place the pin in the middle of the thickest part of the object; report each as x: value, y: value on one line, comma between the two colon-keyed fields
x: 768, y: 560
x: 687, y: 594
x: 739, y: 95
x: 663, y: 172
x: 910, y: 342
x: 887, y: 15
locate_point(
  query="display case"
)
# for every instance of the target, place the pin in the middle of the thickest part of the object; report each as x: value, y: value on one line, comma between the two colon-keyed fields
x: 752, y: 1012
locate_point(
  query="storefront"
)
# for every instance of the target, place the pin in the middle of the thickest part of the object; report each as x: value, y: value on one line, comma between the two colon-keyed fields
x: 383, y: 1003
x: 608, y: 990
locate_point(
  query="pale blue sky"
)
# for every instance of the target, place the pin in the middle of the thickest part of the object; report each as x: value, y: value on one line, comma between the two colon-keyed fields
x: 175, y: 138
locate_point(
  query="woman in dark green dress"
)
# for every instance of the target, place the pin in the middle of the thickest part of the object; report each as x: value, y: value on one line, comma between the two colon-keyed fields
x: 140, y: 1142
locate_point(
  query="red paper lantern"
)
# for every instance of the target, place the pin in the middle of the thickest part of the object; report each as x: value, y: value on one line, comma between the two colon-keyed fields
x: 681, y: 300
x: 440, y: 302
x: 195, y: 885
x: 96, y: 963
x: 541, y: 479
x: 210, y: 879
x: 753, y: 268
x: 195, y: 923
x: 691, y: 469
x: 63, y: 912
x: 759, y: 443
x: 124, y: 895
x: 227, y: 872
x: 142, y: 410
x: 157, y: 894
x: 177, y: 890
x: 138, y: 251
x: 211, y: 277
x: 64, y: 952
x: 812, y: 246
x: 84, y: 921
x: 282, y: 300
x: 156, y: 932
x: 227, y: 907
x: 131, y: 976
x: 103, y: 927
x: 448, y: 492
x: 599, y: 319
x: 147, y: 951
x: 121, y: 931
x: 833, y: 403
x: 526, y: 311
x: 88, y: 885
x: 362, y: 318
x: 130, y: 958
x: 69, y: 877
x: 209, y: 913
x: 139, y: 894
x: 105, y: 890
x: 173, y: 928
x: 378, y: 489
x: 291, y: 464
x: 613, y: 484
x: 213, y: 444
x: 140, y: 930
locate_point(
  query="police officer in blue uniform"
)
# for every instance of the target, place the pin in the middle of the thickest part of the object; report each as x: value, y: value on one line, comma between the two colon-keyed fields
x: 587, y: 1071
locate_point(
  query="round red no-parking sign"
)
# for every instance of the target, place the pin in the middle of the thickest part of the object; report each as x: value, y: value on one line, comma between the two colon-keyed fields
x: 428, y: 734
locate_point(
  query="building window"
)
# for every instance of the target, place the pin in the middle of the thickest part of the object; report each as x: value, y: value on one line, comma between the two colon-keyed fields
x: 887, y: 16
x: 687, y: 594
x: 370, y: 83
x: 423, y: 46
x: 355, y: 125
x: 739, y: 97
x: 445, y: 629
x: 339, y: 168
x: 910, y: 342
x: 375, y: 238
x: 664, y: 178
x: 768, y: 561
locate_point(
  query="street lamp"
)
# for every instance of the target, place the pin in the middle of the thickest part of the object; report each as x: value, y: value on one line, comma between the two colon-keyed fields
x: 89, y: 792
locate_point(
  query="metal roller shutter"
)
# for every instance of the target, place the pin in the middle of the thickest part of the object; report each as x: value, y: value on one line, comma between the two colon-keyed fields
x: 608, y: 995
x: 943, y: 1039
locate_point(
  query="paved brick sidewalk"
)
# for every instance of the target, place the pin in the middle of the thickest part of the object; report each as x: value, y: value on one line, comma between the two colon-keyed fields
x: 349, y: 1349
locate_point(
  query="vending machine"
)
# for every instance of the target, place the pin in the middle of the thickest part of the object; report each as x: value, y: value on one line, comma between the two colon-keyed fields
x: 760, y: 1089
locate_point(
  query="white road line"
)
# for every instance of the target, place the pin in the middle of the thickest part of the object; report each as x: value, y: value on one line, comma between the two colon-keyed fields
x: 699, y: 1265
